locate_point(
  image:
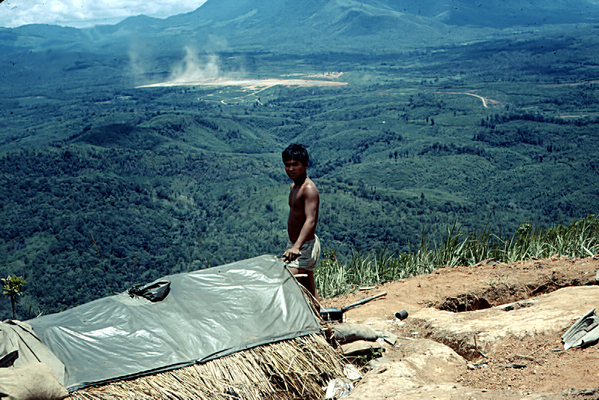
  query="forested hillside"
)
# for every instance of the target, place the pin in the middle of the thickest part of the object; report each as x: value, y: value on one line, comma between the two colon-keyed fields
x: 106, y: 184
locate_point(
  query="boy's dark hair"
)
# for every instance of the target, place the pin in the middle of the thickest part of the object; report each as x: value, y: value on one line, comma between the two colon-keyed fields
x: 296, y: 152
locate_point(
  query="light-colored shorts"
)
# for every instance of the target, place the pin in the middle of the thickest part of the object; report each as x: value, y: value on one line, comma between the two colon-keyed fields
x: 310, y: 254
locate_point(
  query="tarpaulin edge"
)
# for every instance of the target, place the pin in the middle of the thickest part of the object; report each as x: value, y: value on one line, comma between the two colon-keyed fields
x: 204, y: 360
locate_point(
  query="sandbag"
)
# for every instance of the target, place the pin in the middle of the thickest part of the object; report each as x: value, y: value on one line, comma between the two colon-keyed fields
x: 34, y: 381
x: 345, y: 333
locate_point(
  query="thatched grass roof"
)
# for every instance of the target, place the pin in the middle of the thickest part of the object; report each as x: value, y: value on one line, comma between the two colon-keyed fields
x: 293, y: 369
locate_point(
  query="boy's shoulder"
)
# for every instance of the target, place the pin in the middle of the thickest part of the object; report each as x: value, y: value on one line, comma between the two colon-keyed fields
x: 309, y: 186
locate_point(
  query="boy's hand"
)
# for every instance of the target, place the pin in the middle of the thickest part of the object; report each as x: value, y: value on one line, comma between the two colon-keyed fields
x: 291, y: 254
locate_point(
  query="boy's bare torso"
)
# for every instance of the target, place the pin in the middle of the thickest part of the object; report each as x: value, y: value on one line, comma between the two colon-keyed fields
x: 297, y: 208
x: 304, y: 202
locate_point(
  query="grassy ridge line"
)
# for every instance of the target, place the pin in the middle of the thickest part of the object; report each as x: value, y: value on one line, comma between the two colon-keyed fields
x: 335, y: 277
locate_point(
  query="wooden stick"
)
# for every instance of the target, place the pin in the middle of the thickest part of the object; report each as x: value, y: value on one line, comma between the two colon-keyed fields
x: 98, y: 250
x: 363, y: 301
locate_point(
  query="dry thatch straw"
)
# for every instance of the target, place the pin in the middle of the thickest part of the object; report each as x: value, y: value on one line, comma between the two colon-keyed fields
x: 291, y: 369
x: 312, y: 302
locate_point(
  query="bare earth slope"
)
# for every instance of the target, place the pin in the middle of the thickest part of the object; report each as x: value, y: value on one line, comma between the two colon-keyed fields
x: 487, y: 331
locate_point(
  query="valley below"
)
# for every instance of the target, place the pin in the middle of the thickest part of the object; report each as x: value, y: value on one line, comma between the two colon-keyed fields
x: 151, y: 147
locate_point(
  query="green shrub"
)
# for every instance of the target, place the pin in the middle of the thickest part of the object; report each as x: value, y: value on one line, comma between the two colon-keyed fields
x: 335, y: 277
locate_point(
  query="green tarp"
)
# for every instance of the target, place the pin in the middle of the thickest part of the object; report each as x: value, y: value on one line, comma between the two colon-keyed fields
x: 206, y: 314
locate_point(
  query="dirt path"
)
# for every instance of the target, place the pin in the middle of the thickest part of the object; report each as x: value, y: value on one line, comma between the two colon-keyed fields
x: 485, y: 100
x: 502, y: 324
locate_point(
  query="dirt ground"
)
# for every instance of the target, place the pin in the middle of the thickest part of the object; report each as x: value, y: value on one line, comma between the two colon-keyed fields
x: 250, y: 84
x: 531, y: 363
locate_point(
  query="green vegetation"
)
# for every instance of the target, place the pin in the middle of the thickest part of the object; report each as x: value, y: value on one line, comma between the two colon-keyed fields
x: 12, y: 287
x: 459, y: 247
x: 106, y: 185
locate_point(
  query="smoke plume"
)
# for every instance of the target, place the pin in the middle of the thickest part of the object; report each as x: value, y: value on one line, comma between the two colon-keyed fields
x: 196, y: 69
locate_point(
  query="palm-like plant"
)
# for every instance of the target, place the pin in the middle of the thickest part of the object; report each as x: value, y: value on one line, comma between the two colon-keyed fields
x: 12, y: 286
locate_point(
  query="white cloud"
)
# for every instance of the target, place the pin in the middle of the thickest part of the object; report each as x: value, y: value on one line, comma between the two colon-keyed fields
x: 84, y: 13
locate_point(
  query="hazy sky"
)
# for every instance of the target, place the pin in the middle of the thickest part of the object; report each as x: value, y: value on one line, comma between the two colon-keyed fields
x: 83, y: 13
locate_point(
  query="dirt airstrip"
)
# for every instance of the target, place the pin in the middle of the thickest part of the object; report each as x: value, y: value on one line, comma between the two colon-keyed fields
x: 254, y: 86
x: 248, y: 84
x: 487, y: 331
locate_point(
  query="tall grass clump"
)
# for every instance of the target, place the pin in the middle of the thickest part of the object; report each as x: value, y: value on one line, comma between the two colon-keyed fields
x: 459, y: 247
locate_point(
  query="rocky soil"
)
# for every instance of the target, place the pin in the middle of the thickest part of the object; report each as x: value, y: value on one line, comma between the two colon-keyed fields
x: 486, y: 331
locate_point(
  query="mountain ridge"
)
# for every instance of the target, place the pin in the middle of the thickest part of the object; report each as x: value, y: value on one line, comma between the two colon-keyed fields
x: 321, y: 26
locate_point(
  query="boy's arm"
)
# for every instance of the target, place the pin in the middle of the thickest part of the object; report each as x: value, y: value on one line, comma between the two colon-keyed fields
x: 311, y: 204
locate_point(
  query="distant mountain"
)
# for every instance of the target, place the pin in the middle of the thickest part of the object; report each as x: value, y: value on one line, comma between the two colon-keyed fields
x: 489, y: 14
x: 311, y: 25
x: 39, y: 37
x: 501, y: 13
x: 308, y: 25
x: 376, y: 24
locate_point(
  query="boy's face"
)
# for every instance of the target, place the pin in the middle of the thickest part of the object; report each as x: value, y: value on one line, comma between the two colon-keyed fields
x: 294, y: 169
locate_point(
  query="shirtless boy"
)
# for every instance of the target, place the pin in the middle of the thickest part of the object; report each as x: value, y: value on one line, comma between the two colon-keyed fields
x: 303, y: 249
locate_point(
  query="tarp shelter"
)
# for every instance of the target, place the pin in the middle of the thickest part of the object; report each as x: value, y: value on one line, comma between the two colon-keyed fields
x: 19, y: 346
x: 206, y: 314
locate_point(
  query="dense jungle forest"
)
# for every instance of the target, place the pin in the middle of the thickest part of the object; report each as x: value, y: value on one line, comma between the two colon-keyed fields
x: 107, y: 184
